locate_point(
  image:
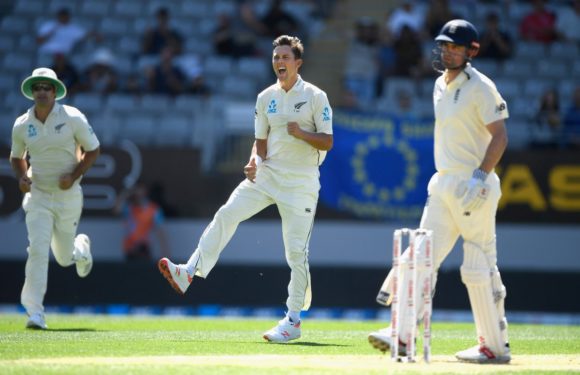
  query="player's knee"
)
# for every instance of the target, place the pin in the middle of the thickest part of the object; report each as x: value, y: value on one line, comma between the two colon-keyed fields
x: 296, y: 256
x: 38, y: 252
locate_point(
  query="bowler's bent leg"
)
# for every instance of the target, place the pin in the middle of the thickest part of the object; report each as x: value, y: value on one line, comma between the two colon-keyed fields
x: 244, y: 202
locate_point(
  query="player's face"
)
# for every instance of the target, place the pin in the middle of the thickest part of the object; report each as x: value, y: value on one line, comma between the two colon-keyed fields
x: 453, y: 55
x: 44, y: 93
x: 285, y: 64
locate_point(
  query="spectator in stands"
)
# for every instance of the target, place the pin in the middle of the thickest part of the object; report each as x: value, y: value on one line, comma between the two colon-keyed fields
x: 539, y: 25
x: 409, y: 15
x: 495, y: 43
x: 438, y: 14
x: 571, y: 123
x: 166, y: 77
x: 162, y: 35
x: 408, y: 53
x: 548, y: 118
x: 66, y: 72
x: 141, y: 216
x: 60, y: 35
x: 568, y: 23
x: 234, y: 36
x: 101, y: 76
x: 278, y: 22
x: 362, y: 65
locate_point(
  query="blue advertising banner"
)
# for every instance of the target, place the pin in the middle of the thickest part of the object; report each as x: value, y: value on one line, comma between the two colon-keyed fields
x: 379, y: 166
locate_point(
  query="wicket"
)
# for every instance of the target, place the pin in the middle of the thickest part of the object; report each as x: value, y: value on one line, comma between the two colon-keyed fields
x: 408, y: 293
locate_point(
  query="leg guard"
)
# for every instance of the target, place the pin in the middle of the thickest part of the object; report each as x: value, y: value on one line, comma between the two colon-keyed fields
x: 486, y: 294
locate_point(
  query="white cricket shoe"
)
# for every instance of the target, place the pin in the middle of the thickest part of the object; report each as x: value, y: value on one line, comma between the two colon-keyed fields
x: 36, y: 321
x: 176, y: 275
x: 482, y: 354
x: 84, y: 263
x: 285, y: 331
x: 382, y: 340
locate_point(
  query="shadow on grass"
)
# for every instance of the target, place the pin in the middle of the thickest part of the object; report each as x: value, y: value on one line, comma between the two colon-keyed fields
x: 71, y: 330
x: 308, y: 343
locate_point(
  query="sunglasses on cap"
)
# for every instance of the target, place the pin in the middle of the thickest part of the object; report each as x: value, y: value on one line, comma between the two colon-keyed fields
x: 43, y: 87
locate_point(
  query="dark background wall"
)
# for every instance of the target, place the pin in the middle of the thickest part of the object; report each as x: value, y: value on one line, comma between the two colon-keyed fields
x: 141, y: 284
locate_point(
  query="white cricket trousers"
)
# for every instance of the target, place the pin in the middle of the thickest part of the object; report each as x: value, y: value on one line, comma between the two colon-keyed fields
x: 51, y: 221
x: 296, y: 196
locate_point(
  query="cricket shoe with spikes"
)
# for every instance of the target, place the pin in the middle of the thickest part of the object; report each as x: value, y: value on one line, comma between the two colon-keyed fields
x: 36, y: 321
x: 176, y: 275
x: 84, y: 263
x: 285, y: 331
x: 482, y: 354
x: 382, y: 340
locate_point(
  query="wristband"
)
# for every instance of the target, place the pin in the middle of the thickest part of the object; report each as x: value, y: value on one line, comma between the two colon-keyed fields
x: 479, y: 174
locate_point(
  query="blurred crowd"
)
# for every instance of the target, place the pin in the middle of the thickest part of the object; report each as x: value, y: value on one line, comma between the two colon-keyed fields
x: 242, y: 33
x: 386, y: 51
x: 383, y: 50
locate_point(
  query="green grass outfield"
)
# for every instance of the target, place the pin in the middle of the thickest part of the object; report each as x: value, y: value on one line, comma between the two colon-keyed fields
x: 99, y: 344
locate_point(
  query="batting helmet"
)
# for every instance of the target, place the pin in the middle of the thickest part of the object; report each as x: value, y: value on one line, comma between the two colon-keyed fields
x: 459, y: 32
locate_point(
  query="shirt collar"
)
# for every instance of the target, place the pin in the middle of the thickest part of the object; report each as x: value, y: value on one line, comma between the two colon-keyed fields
x: 297, y: 85
x: 55, y: 109
x: 465, y: 74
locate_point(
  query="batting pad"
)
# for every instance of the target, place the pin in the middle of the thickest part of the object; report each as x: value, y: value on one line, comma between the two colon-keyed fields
x: 476, y: 274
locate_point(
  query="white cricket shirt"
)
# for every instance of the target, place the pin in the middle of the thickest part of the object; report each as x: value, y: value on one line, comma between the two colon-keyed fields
x: 305, y: 104
x: 462, y: 110
x: 54, y: 147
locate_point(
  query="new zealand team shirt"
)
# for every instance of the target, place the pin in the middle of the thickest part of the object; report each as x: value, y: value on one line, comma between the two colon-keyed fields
x: 53, y: 147
x: 462, y: 110
x: 305, y: 104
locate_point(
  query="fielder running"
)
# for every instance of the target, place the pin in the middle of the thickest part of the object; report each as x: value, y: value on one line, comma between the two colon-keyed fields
x: 470, y: 138
x: 293, y: 130
x: 52, y: 135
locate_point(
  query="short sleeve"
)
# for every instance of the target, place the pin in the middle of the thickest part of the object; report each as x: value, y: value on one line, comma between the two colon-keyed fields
x: 322, y: 113
x: 18, y: 149
x: 491, y: 106
x: 261, y: 125
x: 84, y: 134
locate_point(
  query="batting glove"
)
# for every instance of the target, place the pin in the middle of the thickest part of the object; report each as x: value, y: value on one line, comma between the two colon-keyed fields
x: 474, y: 192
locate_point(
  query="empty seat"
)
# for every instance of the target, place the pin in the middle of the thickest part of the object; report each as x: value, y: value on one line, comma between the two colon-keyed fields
x: 239, y: 87
x: 563, y: 50
x: 121, y: 103
x: 139, y: 129
x: 7, y: 42
x: 256, y: 67
x: 530, y: 50
x: 552, y: 69
x: 14, y: 25
x: 489, y: 67
x: 128, y: 8
x: 517, y: 69
x: 239, y: 117
x: 106, y: 128
x: 195, y: 9
x: 88, y: 102
x: 114, y: 26
x: 508, y: 88
x: 18, y: 62
x: 218, y: 65
x: 174, y: 131
x: 154, y: 103
x: 94, y: 8
x: 534, y: 87
x: 29, y: 7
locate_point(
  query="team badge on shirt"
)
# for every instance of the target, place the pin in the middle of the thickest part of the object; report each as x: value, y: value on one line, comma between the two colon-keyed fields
x: 500, y: 107
x: 58, y: 127
x: 31, y: 131
x: 326, y: 114
x: 297, y: 106
x: 272, y: 108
